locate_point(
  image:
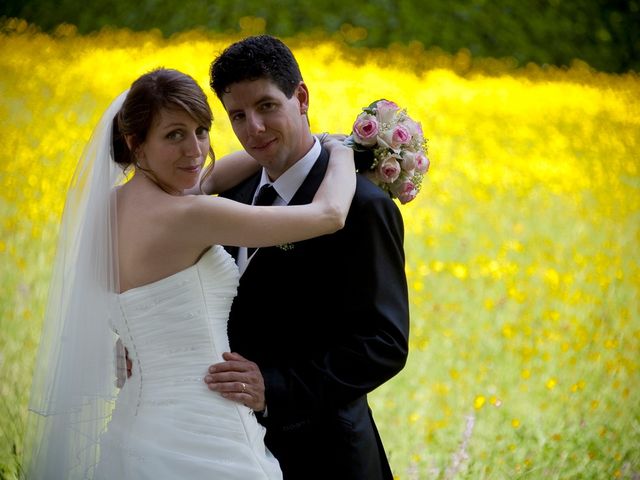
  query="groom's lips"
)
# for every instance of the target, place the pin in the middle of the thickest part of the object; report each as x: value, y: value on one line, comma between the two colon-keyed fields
x: 263, y: 146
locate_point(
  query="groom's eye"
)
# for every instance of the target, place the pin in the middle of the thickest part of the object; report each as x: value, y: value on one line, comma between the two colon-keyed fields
x: 268, y: 106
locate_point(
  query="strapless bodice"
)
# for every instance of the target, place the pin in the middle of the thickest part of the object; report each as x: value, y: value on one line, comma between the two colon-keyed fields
x: 175, y: 327
x: 165, y: 415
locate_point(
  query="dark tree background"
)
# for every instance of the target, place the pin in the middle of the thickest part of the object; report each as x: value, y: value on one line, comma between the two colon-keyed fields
x: 603, y: 33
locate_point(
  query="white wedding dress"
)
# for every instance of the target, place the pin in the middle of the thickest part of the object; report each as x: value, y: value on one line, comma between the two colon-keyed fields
x: 166, y: 423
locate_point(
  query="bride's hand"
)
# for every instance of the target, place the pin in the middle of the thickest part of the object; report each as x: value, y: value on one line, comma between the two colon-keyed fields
x: 332, y: 141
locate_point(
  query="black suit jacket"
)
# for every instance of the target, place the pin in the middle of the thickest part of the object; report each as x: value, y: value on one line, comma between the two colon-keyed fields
x: 327, y: 322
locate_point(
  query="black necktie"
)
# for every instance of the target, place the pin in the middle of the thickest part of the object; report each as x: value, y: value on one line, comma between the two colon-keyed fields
x: 266, y: 196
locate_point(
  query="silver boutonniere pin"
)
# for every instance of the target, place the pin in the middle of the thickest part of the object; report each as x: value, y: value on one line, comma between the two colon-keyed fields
x: 286, y: 247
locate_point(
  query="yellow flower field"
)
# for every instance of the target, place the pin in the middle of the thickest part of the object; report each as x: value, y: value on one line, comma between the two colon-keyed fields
x: 523, y: 254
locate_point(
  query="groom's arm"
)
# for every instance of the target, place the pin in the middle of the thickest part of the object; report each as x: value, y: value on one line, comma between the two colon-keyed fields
x: 373, y: 345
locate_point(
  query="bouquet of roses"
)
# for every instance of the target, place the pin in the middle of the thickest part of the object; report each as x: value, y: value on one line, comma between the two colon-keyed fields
x: 390, y: 148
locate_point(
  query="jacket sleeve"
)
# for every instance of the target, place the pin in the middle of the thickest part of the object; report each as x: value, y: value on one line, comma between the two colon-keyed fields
x: 372, y: 344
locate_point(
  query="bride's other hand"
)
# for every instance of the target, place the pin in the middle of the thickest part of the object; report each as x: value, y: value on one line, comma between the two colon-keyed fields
x: 331, y: 140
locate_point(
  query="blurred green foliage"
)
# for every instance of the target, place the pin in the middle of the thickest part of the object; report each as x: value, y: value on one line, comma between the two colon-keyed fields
x: 603, y: 33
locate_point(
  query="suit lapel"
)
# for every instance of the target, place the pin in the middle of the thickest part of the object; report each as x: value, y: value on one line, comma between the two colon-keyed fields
x: 304, y: 194
x: 242, y: 193
x: 246, y: 190
x: 311, y: 184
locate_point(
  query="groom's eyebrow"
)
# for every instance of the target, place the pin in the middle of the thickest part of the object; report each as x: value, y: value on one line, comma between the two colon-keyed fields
x: 265, y: 98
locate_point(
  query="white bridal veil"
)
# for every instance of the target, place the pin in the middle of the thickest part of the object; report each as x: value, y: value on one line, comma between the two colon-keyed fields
x: 74, y: 384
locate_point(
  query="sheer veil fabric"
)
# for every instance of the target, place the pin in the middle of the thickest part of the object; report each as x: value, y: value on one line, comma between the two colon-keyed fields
x: 75, y: 376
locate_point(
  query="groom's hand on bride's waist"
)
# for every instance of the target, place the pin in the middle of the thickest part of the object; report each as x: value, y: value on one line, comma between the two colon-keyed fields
x: 237, y: 379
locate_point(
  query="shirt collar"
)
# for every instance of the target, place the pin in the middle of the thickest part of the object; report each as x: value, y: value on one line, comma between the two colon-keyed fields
x: 291, y: 180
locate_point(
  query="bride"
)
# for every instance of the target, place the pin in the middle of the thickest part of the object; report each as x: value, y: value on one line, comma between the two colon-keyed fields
x: 140, y: 266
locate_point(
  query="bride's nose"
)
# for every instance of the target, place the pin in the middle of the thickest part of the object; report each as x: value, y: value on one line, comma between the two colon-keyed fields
x: 193, y: 146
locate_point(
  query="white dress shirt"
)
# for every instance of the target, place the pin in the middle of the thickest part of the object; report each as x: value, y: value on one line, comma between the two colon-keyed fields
x: 286, y: 187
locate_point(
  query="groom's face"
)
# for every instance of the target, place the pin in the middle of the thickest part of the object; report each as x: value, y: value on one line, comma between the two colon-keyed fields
x: 272, y: 128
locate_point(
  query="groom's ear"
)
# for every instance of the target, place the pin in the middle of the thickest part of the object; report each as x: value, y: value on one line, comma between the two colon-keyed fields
x: 302, y: 95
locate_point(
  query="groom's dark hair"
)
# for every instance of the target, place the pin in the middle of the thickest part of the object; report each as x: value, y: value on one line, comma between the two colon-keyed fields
x: 253, y: 58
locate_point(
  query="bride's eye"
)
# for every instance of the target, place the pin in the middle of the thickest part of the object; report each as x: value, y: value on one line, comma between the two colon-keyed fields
x: 175, y: 135
x: 236, y: 117
x: 202, y: 132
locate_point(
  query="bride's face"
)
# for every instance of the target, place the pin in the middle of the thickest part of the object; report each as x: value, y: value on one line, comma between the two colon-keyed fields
x: 175, y: 149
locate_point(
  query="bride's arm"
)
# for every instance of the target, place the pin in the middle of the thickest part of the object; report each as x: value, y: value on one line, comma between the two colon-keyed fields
x: 231, y: 169
x: 204, y: 220
x: 225, y: 173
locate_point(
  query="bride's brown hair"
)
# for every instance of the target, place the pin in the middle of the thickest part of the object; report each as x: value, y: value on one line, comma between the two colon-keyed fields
x: 153, y: 91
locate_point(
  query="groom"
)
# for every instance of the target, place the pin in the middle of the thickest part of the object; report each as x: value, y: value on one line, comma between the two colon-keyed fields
x: 323, y: 321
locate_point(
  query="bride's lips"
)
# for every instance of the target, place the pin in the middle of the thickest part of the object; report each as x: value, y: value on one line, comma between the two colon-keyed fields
x: 191, y: 168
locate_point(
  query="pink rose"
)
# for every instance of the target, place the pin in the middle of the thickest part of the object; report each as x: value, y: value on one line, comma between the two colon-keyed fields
x: 422, y: 162
x: 388, y: 170
x: 401, y: 135
x: 415, y: 129
x: 404, y: 190
x: 386, y: 111
x: 396, y: 137
x: 409, y: 162
x: 365, y: 130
